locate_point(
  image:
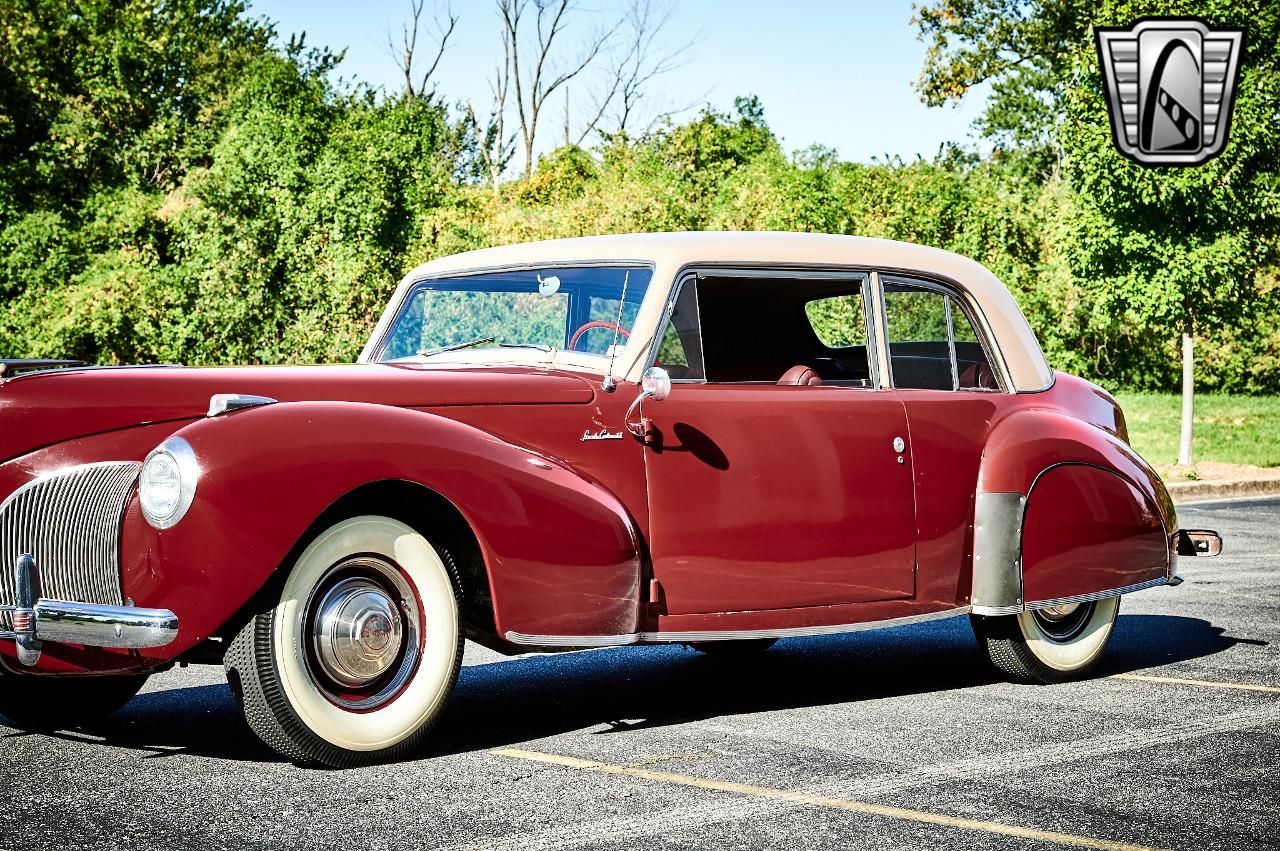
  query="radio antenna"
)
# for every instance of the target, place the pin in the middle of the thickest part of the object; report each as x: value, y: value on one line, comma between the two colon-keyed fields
x: 609, y: 384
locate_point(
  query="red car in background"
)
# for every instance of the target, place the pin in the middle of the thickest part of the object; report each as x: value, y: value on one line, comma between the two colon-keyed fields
x: 719, y: 439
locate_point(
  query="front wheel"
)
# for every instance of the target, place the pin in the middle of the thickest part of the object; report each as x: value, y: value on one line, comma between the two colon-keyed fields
x: 51, y: 702
x: 1047, y: 645
x: 356, y: 660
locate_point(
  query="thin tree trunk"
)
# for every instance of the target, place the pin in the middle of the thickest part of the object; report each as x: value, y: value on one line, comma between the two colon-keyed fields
x: 1188, y: 390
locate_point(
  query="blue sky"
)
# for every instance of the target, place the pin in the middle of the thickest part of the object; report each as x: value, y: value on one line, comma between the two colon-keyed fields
x: 837, y: 74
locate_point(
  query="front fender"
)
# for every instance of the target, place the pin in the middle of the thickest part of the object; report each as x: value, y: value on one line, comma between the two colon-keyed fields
x: 1065, y: 509
x: 561, y: 552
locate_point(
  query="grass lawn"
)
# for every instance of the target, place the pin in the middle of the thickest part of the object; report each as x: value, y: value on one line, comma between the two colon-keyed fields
x: 1228, y: 429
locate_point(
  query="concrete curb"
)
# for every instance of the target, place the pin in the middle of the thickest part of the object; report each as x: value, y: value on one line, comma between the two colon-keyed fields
x: 1185, y: 492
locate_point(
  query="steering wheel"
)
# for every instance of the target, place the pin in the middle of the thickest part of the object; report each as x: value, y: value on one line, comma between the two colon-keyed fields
x: 598, y: 323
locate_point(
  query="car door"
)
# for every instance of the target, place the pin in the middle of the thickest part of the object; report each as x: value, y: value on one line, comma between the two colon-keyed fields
x: 943, y: 370
x: 765, y: 495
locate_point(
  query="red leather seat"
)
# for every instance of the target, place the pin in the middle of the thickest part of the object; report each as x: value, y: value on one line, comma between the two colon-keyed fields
x: 800, y: 375
x: 979, y: 375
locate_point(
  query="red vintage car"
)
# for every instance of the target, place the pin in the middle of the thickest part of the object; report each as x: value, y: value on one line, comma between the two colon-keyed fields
x: 718, y: 439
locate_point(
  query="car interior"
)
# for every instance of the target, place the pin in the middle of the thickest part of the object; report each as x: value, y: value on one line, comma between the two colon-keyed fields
x: 810, y: 331
x: 803, y: 331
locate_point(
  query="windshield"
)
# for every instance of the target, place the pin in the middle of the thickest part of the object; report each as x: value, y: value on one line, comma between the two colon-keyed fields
x: 560, y: 307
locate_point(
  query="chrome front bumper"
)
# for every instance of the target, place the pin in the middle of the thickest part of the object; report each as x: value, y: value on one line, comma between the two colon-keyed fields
x: 36, y: 620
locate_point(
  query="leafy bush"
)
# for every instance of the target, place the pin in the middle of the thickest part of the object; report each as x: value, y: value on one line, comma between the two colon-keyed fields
x: 172, y: 188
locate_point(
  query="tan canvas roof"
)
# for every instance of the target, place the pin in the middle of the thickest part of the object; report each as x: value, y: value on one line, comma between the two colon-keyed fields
x: 671, y: 252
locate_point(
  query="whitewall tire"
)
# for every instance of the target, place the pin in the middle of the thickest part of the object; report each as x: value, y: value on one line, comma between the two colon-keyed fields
x: 357, y: 657
x: 1048, y: 645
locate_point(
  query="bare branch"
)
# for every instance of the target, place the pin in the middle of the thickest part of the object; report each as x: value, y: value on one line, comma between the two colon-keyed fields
x: 405, y: 52
x: 536, y: 79
x: 495, y: 143
x: 643, y: 57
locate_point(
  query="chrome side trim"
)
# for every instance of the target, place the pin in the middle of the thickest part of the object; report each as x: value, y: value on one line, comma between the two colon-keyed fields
x: 221, y: 403
x: 1102, y: 595
x: 723, y: 635
x: 573, y: 640
x: 996, y: 611
x: 997, y: 553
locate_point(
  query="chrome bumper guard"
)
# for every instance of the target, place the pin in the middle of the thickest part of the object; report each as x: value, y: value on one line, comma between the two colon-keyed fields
x: 36, y: 620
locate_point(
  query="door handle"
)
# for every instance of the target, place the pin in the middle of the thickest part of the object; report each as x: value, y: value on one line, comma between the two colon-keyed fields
x: 899, y: 444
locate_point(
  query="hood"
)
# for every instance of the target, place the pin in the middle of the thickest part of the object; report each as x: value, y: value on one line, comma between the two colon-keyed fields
x: 40, y: 409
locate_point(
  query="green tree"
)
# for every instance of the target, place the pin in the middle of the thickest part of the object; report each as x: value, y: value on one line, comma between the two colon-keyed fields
x: 1176, y: 252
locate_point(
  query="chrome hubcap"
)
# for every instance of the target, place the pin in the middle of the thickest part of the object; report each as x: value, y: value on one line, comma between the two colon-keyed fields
x: 1057, y: 613
x: 1065, y: 623
x: 365, y: 629
x: 357, y: 632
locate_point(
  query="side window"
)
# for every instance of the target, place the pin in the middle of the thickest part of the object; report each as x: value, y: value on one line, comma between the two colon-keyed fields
x: 932, y: 342
x: 973, y: 369
x: 919, y: 347
x: 736, y: 328
x: 680, y: 349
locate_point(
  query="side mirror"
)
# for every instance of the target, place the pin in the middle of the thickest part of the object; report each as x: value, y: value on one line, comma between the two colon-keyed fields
x: 655, y: 384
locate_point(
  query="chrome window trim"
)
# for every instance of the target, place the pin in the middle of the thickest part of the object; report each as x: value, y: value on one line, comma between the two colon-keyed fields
x: 884, y: 372
x: 379, y: 347
x: 724, y: 635
x: 951, y: 345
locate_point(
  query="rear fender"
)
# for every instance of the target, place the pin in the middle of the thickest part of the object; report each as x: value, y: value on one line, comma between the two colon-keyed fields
x: 1065, y: 511
x: 560, y: 551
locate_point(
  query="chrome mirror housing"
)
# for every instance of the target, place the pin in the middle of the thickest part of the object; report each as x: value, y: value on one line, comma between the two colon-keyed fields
x: 655, y: 384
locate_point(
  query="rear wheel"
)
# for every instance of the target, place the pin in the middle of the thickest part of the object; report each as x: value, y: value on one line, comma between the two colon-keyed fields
x: 48, y: 702
x: 1047, y: 645
x: 356, y: 660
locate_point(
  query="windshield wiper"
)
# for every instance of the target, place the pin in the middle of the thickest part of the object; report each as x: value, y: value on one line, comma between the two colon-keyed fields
x: 537, y: 346
x: 480, y: 341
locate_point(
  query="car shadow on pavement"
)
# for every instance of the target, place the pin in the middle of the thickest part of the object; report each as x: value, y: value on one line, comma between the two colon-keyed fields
x: 508, y: 702
x: 513, y: 701
x: 197, y: 721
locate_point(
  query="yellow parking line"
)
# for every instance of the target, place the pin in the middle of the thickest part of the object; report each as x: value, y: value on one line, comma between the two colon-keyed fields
x: 1147, y: 678
x: 820, y: 801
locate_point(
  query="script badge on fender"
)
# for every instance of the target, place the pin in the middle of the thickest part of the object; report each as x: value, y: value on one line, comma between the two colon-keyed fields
x: 602, y: 434
x: 1170, y: 85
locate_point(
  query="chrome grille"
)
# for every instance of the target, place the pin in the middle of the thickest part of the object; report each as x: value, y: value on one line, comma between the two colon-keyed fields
x: 70, y: 522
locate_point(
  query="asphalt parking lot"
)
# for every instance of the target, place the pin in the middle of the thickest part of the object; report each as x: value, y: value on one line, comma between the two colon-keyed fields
x: 886, y: 739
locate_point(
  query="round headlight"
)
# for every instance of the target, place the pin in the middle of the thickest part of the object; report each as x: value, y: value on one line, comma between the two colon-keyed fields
x: 167, y: 483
